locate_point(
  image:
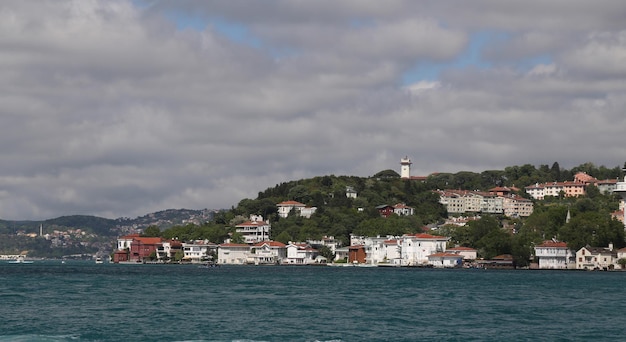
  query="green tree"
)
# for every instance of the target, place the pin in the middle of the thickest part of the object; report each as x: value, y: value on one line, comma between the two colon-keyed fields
x: 179, y: 255
x: 152, y: 231
x: 237, y: 237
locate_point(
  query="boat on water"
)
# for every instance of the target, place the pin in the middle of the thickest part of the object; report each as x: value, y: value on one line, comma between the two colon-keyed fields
x: 99, y: 260
x: 20, y: 260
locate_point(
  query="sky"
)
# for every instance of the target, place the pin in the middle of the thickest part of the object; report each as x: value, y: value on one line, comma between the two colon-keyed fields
x: 121, y: 108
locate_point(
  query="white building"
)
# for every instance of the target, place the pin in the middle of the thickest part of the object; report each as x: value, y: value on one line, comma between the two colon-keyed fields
x: 300, y: 254
x: 416, y: 248
x: 328, y: 241
x: 466, y: 252
x: 198, y: 251
x: 402, y: 209
x: 233, y: 253
x: 596, y: 258
x: 255, y: 230
x: 555, y: 255
x: 284, y: 208
x: 267, y: 252
x: 445, y: 260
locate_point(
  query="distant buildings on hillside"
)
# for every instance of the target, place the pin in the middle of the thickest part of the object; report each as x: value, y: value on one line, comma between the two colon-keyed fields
x: 574, y: 188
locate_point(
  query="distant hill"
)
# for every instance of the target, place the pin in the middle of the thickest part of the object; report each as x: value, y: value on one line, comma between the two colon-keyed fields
x: 108, y: 227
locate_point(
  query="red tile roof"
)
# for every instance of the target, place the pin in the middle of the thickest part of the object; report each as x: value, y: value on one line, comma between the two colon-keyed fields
x: 553, y: 244
x: 251, y: 224
x: 270, y: 243
x: 461, y: 249
x: 290, y: 204
x: 234, y: 245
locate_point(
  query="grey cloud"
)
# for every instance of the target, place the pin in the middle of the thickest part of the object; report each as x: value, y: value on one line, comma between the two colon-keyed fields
x: 109, y: 109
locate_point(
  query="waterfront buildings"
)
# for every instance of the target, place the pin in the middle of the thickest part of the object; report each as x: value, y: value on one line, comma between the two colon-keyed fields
x: 555, y: 255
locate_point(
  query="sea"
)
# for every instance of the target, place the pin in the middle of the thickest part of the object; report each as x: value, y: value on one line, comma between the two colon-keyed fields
x: 84, y: 301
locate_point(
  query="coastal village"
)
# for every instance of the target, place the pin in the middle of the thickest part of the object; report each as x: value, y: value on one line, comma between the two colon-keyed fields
x: 426, y: 249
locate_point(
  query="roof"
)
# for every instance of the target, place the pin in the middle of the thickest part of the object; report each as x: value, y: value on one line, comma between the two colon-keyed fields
x: 269, y: 243
x: 252, y: 224
x: 428, y: 236
x: 462, y: 249
x: 234, y: 245
x: 290, y: 204
x: 553, y: 244
x: 148, y: 240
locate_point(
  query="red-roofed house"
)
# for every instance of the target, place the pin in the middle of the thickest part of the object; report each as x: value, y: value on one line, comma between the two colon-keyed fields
x: 555, y: 255
x: 402, y: 209
x: 267, y: 252
x: 254, y: 231
x: 284, y: 208
x: 135, y: 248
x: 301, y: 254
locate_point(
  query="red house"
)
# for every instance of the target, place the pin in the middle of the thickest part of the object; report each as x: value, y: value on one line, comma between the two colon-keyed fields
x: 385, y: 210
x: 356, y: 254
x: 139, y: 248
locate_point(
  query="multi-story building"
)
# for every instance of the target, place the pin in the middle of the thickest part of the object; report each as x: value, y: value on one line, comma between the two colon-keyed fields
x: 267, y: 252
x: 233, y: 253
x: 255, y: 230
x: 464, y: 201
x: 555, y: 255
x: 596, y: 258
x: 416, y: 248
x: 198, y: 251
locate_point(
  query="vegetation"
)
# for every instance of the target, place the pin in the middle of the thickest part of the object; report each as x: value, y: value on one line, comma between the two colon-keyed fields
x: 590, y: 222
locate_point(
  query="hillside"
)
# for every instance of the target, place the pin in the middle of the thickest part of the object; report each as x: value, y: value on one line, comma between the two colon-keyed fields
x: 337, y: 214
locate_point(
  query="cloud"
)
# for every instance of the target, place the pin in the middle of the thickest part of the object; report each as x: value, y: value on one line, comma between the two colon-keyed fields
x: 117, y: 108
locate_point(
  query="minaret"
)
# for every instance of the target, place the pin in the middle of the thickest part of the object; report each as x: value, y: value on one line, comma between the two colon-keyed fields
x: 405, y: 168
x: 621, y: 190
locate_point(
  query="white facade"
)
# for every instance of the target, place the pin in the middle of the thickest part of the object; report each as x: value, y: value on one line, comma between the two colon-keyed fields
x: 596, y: 258
x: 284, y: 208
x: 300, y: 254
x: 197, y: 251
x: 554, y: 255
x: 416, y: 248
x: 463, y: 201
x: 233, y: 254
x: 405, y: 168
x: 254, y: 231
x: 466, y: 252
x: 267, y: 252
x: 445, y: 260
x: 406, y: 250
x: 401, y: 209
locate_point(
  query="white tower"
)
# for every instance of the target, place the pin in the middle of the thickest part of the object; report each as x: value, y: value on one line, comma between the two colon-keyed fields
x: 621, y: 190
x: 405, y: 168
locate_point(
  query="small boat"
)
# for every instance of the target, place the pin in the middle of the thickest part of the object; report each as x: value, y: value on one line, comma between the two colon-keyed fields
x: 99, y: 260
x: 20, y: 260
